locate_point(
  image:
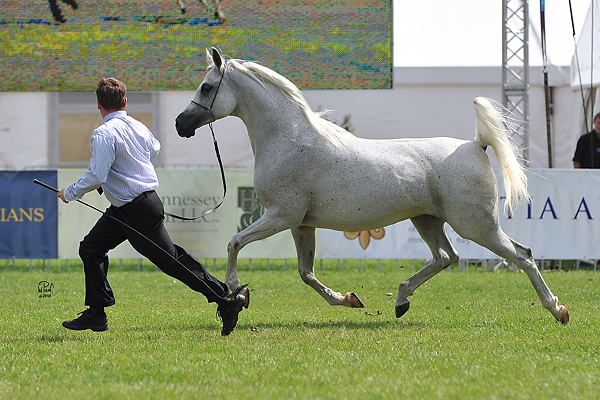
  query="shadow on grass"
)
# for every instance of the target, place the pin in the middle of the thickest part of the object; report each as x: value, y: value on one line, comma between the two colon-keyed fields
x: 351, y: 325
x: 68, y: 336
x: 325, y: 325
x: 59, y: 337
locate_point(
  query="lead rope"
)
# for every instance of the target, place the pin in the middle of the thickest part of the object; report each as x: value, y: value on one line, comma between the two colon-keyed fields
x: 210, y: 125
x: 222, y: 179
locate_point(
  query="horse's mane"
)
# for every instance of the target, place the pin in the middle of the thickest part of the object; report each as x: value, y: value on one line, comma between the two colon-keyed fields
x: 334, y: 133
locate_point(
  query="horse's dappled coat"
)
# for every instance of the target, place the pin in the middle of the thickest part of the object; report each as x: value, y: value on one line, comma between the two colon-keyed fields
x: 309, y: 173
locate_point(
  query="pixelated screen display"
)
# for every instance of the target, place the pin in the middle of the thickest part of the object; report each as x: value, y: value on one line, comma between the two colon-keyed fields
x: 67, y: 45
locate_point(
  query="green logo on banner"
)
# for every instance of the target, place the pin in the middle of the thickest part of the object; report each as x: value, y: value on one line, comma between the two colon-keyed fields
x: 250, y: 205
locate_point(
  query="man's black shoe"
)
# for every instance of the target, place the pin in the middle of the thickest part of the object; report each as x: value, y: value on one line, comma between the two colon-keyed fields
x: 87, y: 320
x: 229, y: 309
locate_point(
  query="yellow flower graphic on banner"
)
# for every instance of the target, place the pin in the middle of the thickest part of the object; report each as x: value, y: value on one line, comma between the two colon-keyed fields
x: 364, y: 237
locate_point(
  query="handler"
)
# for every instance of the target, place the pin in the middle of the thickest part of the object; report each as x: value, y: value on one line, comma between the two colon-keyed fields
x: 122, y: 149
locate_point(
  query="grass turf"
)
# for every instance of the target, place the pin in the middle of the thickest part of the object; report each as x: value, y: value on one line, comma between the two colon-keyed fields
x: 467, y: 335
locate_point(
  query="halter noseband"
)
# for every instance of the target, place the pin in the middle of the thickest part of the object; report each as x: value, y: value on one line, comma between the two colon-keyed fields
x: 208, y: 109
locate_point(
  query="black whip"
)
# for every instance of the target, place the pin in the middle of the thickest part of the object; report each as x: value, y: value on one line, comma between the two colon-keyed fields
x: 235, y: 292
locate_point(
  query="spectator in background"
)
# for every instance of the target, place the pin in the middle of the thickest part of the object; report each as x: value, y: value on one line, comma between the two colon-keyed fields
x: 587, y: 152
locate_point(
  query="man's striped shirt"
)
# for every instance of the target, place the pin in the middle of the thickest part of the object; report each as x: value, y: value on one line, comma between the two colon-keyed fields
x: 122, y: 150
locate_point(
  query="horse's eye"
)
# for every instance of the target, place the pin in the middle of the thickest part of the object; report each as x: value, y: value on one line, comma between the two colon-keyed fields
x: 205, y: 88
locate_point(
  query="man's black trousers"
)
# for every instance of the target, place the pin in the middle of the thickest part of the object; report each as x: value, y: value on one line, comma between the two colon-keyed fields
x: 146, y: 215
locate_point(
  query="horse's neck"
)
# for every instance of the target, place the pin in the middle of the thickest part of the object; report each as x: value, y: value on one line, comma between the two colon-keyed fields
x: 270, y: 118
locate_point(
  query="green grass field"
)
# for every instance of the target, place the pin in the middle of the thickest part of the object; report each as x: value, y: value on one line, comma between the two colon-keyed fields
x: 476, y: 335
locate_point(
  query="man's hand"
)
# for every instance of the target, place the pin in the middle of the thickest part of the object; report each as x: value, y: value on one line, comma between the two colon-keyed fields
x: 61, y: 195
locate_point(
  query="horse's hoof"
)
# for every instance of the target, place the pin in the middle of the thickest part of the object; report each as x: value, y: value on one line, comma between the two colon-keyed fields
x: 402, y: 309
x: 244, y: 291
x: 564, y: 315
x: 353, y: 300
x: 246, y: 298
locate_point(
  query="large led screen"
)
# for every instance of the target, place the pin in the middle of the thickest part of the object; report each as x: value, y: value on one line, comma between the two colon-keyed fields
x: 67, y: 45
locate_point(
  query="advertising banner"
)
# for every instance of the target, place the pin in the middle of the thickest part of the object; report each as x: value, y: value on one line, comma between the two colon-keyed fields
x: 187, y: 193
x: 561, y: 222
x: 28, y: 215
x: 193, y: 192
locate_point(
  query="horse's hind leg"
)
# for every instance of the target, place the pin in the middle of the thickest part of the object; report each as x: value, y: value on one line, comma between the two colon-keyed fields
x: 432, y: 231
x: 521, y: 256
x: 304, y: 238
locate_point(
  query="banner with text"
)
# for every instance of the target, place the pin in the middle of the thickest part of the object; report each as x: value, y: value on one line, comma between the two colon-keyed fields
x: 188, y: 193
x: 561, y: 222
x: 28, y: 215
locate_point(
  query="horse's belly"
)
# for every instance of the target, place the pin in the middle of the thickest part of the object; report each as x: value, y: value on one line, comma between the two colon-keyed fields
x: 354, y: 223
x: 357, y: 213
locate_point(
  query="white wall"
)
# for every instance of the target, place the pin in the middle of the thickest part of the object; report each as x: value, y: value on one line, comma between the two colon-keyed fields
x: 425, y: 102
x: 23, y: 130
x: 198, y: 151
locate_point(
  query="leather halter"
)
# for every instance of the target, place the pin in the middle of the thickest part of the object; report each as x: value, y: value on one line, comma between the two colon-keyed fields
x: 208, y: 109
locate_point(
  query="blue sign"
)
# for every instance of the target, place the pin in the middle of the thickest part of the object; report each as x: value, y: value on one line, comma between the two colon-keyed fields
x: 28, y: 215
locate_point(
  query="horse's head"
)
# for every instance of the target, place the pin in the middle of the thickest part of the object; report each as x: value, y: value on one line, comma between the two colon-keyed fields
x: 212, y: 100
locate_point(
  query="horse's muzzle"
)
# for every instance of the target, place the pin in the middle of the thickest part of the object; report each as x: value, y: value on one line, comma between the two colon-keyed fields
x: 183, y: 129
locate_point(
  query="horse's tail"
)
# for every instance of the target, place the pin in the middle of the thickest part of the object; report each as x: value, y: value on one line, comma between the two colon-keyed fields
x: 491, y: 130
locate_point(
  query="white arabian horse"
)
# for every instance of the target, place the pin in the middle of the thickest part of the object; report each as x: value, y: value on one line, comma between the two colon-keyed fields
x: 309, y: 173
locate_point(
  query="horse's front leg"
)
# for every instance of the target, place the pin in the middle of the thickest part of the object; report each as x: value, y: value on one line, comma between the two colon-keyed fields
x: 304, y: 238
x: 231, y: 278
x: 271, y: 222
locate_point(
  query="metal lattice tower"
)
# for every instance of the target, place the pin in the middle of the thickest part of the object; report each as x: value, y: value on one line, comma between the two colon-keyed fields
x: 515, y: 69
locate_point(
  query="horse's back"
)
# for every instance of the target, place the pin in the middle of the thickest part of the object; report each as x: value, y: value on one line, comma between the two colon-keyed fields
x: 440, y: 159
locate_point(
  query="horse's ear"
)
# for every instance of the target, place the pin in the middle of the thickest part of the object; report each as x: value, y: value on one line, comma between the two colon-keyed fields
x: 209, y: 59
x: 217, y: 58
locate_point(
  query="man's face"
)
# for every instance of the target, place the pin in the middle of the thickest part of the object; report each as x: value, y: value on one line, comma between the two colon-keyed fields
x: 597, y: 125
